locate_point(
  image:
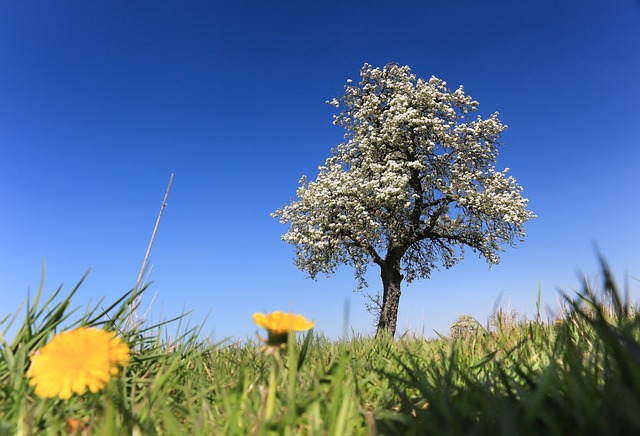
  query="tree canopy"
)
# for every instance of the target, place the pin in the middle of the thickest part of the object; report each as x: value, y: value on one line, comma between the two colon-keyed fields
x: 411, y: 187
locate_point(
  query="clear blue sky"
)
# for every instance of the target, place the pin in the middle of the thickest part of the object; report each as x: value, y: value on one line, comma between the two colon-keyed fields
x: 101, y: 101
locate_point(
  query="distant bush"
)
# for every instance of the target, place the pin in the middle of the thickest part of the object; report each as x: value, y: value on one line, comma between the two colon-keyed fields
x: 464, y: 326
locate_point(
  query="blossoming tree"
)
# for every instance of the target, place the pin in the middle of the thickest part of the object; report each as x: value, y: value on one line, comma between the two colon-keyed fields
x: 413, y: 184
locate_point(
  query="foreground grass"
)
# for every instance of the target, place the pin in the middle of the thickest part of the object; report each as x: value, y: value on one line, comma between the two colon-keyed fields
x: 580, y: 375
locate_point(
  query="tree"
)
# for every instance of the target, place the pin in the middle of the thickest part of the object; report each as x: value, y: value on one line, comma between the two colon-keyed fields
x: 412, y: 185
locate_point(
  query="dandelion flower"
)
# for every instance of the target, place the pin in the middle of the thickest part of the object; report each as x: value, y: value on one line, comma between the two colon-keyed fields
x: 279, y: 324
x: 76, y: 360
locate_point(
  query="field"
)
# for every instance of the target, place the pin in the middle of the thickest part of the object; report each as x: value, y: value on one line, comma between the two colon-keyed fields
x: 578, y: 374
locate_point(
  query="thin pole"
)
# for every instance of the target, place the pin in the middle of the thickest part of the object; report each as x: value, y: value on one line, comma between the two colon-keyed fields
x: 155, y: 229
x: 134, y: 304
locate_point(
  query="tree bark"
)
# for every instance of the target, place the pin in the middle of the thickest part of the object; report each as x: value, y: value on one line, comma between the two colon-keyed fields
x: 391, y: 280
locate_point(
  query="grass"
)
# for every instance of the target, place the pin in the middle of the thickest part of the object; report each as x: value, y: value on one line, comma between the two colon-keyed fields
x: 579, y: 375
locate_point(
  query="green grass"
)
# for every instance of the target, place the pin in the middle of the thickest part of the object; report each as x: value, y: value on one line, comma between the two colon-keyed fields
x: 580, y: 375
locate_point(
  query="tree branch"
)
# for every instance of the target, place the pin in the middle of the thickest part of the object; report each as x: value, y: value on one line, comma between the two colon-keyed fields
x: 368, y: 248
x: 427, y: 231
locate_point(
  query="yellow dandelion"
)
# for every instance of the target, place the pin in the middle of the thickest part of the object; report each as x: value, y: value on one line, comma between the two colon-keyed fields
x: 76, y: 360
x: 279, y: 324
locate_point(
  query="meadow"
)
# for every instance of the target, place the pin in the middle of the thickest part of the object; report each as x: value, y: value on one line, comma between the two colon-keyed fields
x: 577, y: 374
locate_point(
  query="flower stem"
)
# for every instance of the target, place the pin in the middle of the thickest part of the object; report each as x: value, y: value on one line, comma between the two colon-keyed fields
x: 271, y: 398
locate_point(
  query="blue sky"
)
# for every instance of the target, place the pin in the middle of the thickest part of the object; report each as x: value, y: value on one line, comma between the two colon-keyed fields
x: 101, y: 101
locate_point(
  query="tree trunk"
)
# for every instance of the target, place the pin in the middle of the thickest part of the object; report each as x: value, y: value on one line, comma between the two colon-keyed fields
x: 391, y: 279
